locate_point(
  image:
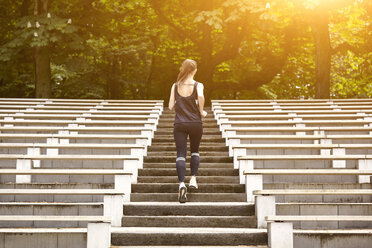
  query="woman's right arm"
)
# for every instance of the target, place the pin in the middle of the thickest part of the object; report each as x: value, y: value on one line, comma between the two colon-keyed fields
x: 172, y: 101
x: 201, y: 100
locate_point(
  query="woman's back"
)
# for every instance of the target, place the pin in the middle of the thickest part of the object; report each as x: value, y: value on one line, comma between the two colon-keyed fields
x: 186, y: 106
x: 186, y: 89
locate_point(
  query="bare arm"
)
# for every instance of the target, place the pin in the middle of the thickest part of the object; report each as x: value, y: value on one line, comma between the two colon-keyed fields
x: 201, y: 99
x: 172, y: 100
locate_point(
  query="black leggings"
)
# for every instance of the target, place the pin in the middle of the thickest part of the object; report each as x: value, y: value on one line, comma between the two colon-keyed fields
x: 180, y: 132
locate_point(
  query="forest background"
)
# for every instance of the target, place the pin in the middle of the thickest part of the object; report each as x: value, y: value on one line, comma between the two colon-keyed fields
x: 132, y: 49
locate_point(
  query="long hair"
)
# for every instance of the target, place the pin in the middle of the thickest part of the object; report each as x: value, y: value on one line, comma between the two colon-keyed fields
x: 188, y: 66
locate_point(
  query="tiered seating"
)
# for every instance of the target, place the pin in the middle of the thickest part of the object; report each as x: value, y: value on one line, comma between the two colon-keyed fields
x: 305, y: 165
x: 64, y: 163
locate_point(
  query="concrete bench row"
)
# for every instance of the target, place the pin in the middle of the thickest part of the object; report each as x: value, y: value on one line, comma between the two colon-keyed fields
x: 294, y: 107
x: 80, y: 122
x: 291, y: 101
x: 85, y: 115
x: 364, y: 162
x: 280, y: 228
x: 265, y: 199
x: 98, y: 228
x: 236, y: 143
x: 11, y: 103
x: 287, y: 149
x: 217, y: 104
x: 229, y: 112
x: 254, y: 177
x: 322, y: 130
x: 228, y: 116
x: 25, y: 162
x: 112, y: 203
x: 296, y: 123
x: 10, y: 118
x: 143, y: 131
x: 65, y: 138
x: 134, y: 111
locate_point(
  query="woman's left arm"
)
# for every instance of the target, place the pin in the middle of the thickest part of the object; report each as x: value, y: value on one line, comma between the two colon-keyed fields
x: 201, y: 99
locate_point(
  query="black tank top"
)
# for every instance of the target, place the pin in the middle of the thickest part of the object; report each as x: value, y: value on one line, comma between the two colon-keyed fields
x: 186, y: 108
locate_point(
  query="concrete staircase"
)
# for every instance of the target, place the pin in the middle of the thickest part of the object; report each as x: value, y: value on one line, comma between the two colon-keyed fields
x: 215, y: 215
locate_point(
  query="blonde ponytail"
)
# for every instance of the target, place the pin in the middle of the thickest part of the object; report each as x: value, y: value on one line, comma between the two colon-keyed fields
x: 188, y: 66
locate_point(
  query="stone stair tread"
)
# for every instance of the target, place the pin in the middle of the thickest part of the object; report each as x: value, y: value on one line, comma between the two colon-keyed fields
x: 203, y: 137
x: 168, y: 145
x: 168, y: 208
x: 188, y: 204
x: 189, y: 221
x: 172, y: 187
x: 201, y: 179
x: 173, y: 157
x: 176, y: 246
x: 189, y: 216
x: 214, y: 230
x: 200, y: 184
x: 191, y: 196
x: 188, y: 177
x: 173, y: 165
x: 172, y: 169
x: 201, y: 171
x: 202, y: 153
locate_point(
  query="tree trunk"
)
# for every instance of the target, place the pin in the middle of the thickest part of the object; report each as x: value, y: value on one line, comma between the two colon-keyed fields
x: 42, y: 61
x: 42, y: 72
x: 323, y: 54
x: 114, y: 88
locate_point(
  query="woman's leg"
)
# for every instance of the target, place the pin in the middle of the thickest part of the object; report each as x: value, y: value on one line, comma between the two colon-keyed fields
x: 195, y: 132
x: 180, y: 137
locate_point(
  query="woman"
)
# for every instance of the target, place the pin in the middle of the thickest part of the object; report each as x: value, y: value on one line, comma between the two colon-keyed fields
x: 188, y: 99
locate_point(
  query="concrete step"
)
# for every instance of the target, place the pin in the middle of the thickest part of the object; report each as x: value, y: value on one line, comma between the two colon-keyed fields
x: 203, y: 159
x: 206, y: 130
x: 183, y: 246
x: 190, y: 221
x: 191, y: 197
x: 201, y: 179
x: 191, y: 208
x: 173, y: 165
x: 166, y: 146
x: 187, y: 236
x: 171, y: 125
x: 174, y: 153
x: 204, y: 139
x: 173, y: 187
x: 170, y: 120
x: 170, y: 115
x: 201, y: 172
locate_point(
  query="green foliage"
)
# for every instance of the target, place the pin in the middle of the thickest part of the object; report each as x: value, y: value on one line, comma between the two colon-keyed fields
x: 133, y: 49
